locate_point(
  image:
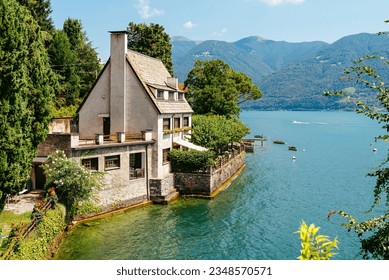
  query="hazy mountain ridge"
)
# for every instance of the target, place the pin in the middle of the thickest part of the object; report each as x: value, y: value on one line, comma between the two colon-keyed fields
x: 292, y: 76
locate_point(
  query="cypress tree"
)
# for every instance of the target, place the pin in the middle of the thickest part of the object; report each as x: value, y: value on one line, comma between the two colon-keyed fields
x: 26, y: 90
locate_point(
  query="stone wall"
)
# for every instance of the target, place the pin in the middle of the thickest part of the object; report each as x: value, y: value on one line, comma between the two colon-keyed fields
x: 222, y: 174
x: 161, y: 187
x: 118, y: 189
x: 207, y: 183
x: 56, y: 142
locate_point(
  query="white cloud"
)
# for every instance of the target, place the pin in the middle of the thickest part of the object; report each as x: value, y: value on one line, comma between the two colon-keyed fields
x: 189, y: 25
x: 279, y: 2
x: 146, y: 11
x: 220, y: 33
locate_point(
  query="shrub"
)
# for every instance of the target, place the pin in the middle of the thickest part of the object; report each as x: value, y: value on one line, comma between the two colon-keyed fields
x: 72, y: 182
x: 190, y: 161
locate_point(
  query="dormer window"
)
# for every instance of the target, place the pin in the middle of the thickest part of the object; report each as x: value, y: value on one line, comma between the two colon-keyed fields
x: 160, y: 94
x: 171, y: 95
x: 180, y: 96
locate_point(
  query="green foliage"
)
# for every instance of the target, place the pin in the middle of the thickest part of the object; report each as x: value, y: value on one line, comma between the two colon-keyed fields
x: 315, y: 247
x: 74, y: 184
x: 216, y: 89
x: 26, y: 90
x: 151, y: 40
x: 190, y: 161
x: 76, y: 64
x: 373, y: 233
x: 64, y: 62
x: 216, y: 132
x: 40, y: 10
x: 37, y: 246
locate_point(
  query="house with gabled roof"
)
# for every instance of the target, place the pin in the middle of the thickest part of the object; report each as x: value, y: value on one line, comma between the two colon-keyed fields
x: 133, y: 116
x: 135, y: 113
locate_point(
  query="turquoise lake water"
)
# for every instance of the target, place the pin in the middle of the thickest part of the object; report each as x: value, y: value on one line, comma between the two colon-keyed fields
x: 257, y: 215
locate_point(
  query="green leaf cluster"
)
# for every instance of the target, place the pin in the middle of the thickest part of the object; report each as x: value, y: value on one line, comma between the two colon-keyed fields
x: 217, y: 132
x: 26, y: 90
x: 151, y: 40
x: 73, y: 183
x: 314, y: 246
x: 190, y: 161
x: 216, y: 89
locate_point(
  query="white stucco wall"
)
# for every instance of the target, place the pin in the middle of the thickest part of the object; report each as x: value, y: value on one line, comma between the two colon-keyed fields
x: 97, y: 103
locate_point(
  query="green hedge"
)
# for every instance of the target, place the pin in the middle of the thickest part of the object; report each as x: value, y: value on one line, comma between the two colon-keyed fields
x: 190, y: 161
x: 38, y: 245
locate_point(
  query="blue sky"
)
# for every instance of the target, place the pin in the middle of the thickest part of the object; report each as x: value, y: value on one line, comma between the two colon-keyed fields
x: 227, y: 20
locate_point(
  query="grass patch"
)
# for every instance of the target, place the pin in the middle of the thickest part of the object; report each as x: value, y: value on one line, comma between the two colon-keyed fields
x: 7, y: 218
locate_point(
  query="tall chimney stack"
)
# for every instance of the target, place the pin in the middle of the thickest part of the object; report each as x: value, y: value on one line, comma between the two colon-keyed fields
x: 118, y: 81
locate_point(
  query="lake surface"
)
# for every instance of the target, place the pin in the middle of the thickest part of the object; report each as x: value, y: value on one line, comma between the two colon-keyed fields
x: 257, y: 215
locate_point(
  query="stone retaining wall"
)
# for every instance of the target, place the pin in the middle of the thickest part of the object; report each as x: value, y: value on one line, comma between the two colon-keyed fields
x: 207, y: 183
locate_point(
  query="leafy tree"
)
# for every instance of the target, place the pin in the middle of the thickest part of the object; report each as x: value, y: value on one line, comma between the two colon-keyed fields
x: 75, y: 62
x: 73, y: 183
x: 26, y: 90
x: 87, y: 60
x: 40, y: 10
x: 151, y: 40
x: 315, y: 247
x: 374, y: 232
x: 216, y: 132
x: 215, y: 88
x: 63, y: 60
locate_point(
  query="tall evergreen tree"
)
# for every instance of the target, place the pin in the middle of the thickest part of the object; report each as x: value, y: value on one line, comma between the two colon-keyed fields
x: 86, y: 56
x: 40, y: 10
x: 151, y: 40
x: 26, y: 90
x: 63, y: 61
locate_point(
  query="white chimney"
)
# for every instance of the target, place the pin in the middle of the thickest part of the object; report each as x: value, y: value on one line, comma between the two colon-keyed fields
x: 172, y: 82
x: 118, y: 81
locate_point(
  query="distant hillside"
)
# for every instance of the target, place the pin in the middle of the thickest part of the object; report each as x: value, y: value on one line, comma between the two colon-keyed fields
x: 292, y: 76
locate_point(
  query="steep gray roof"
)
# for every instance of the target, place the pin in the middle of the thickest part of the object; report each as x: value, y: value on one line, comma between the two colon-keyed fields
x: 153, y: 74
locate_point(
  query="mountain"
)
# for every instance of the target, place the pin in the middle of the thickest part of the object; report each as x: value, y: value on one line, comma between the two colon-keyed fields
x: 292, y: 76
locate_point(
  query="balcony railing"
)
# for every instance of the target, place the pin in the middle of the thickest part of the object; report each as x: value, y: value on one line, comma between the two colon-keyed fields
x: 119, y: 137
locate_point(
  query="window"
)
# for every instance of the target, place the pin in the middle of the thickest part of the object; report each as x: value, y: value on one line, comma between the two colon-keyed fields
x: 185, y: 121
x: 160, y: 94
x: 136, y: 170
x: 177, y: 122
x: 166, y: 124
x: 180, y: 96
x: 90, y: 163
x: 112, y: 162
x: 165, y: 155
x: 171, y: 95
x: 136, y: 160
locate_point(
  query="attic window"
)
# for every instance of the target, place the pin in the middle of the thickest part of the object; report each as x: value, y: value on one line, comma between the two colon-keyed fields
x: 180, y: 96
x: 171, y: 95
x: 159, y: 94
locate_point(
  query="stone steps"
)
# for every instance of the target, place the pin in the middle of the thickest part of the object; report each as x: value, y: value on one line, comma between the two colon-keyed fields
x: 164, y: 199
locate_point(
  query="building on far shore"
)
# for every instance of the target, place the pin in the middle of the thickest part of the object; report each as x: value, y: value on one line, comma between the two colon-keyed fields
x: 134, y: 115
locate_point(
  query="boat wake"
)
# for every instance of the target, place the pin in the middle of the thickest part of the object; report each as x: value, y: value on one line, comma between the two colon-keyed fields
x: 298, y: 122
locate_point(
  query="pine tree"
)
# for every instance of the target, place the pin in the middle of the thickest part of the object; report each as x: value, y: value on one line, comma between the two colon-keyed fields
x: 26, y: 90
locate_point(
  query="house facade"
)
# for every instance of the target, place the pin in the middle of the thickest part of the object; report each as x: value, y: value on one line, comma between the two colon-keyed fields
x: 133, y: 116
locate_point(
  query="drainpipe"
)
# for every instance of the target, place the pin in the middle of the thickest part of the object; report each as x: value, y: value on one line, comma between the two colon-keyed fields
x: 147, y: 173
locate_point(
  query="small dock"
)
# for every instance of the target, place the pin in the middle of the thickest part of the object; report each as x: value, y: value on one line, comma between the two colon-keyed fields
x: 249, y: 143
